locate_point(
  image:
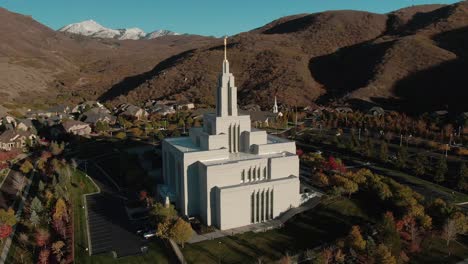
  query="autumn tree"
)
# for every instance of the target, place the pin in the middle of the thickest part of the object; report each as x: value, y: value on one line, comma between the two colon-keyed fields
x: 44, y: 256
x: 384, y: 256
x: 389, y: 234
x: 57, y: 250
x: 60, y: 210
x: 320, y: 179
x: 42, y: 237
x: 454, y: 225
x: 161, y: 212
x: 5, y: 231
x: 181, y: 231
x: 26, y: 167
x: 355, y: 240
x: 8, y: 217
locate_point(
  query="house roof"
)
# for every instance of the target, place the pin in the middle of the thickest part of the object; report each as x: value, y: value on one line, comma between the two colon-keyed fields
x: 59, y: 109
x: 67, y: 125
x: 130, y: 110
x: 10, y: 135
x: 261, y: 116
x: 26, y: 122
x: 93, y: 116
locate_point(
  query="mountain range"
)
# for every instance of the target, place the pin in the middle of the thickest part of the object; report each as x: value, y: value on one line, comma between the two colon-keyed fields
x: 413, y: 59
x: 93, y: 29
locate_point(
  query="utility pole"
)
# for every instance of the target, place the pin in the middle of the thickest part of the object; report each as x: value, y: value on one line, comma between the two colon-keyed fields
x: 296, y: 116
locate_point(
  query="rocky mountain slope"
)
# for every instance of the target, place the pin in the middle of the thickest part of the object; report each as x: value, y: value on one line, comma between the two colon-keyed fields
x: 93, y: 29
x: 413, y: 59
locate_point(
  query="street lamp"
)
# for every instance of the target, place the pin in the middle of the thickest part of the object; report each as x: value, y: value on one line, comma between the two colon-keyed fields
x: 219, y: 252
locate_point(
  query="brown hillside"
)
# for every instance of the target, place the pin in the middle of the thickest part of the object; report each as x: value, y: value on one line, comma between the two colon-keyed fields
x: 410, y: 57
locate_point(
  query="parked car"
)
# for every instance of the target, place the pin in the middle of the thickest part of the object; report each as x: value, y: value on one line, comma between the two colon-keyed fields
x: 150, y: 234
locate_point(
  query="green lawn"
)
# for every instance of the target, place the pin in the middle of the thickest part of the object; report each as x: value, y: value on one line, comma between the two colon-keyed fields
x: 156, y: 253
x: 435, y: 250
x: 306, y: 231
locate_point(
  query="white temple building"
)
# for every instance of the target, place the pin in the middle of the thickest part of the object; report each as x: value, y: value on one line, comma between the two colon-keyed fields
x: 227, y: 174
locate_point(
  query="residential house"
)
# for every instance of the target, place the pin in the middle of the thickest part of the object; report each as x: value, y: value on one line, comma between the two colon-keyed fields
x: 261, y: 118
x: 198, y: 113
x: 343, y: 110
x: 376, y: 111
x: 26, y: 125
x: 85, y: 106
x: 97, y: 114
x: 76, y: 128
x: 185, y: 106
x: 162, y: 109
x: 16, y: 139
x: 132, y: 111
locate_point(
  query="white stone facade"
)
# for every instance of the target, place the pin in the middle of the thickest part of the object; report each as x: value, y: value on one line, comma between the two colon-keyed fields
x: 227, y: 174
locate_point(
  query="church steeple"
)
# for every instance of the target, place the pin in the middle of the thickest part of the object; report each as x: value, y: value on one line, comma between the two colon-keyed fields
x: 275, y: 107
x: 226, y: 96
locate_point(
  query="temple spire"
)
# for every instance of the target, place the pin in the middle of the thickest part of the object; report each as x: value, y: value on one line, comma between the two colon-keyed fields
x: 275, y: 107
x: 225, y: 48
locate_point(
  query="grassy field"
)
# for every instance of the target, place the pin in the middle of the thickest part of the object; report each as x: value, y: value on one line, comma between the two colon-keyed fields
x: 156, y: 253
x: 306, y: 231
x: 435, y: 251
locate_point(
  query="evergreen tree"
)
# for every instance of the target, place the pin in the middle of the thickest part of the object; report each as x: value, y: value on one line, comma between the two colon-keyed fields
x: 41, y: 186
x: 389, y: 234
x: 440, y: 171
x: 36, y: 205
x: 383, y: 155
x: 402, y: 157
x: 369, y: 148
x: 462, y: 177
x: 420, y: 164
x: 34, y: 218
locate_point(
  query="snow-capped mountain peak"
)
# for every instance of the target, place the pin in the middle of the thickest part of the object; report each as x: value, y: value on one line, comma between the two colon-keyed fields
x: 93, y: 29
x: 160, y: 33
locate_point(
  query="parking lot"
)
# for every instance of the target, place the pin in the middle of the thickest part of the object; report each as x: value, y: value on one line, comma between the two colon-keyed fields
x: 110, y: 230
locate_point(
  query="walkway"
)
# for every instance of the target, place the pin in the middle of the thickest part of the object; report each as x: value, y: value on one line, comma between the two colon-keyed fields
x: 259, y: 227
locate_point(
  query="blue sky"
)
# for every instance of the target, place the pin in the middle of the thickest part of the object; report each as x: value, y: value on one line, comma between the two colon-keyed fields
x: 205, y: 17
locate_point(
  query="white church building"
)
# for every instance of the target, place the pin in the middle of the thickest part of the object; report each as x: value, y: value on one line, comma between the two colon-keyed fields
x: 226, y: 173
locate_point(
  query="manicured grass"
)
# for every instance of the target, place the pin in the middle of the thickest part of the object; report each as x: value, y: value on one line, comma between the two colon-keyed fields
x: 324, y: 223
x: 80, y: 185
x: 435, y: 250
x: 156, y: 254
